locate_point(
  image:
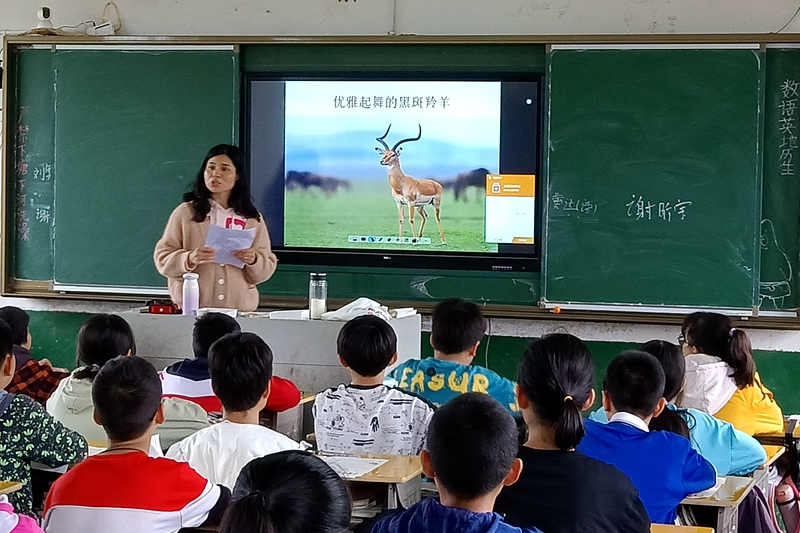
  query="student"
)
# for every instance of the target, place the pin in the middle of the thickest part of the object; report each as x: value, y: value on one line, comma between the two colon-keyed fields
x: 721, y: 376
x: 11, y: 522
x: 28, y: 433
x: 471, y: 453
x: 456, y: 332
x: 732, y: 452
x: 190, y: 380
x: 37, y: 379
x: 663, y: 466
x: 561, y: 490
x: 123, y: 489
x: 289, y: 492
x: 366, y: 416
x: 102, y: 338
x: 241, y: 368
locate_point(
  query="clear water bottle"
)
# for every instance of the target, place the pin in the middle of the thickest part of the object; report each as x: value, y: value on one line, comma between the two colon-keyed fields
x: 317, y: 295
x: 191, y: 294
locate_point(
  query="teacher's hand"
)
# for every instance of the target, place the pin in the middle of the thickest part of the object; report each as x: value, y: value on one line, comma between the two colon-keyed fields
x: 248, y: 256
x: 198, y: 256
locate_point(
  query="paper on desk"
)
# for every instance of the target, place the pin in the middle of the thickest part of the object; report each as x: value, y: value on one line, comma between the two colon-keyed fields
x: 709, y: 492
x: 352, y: 467
x: 226, y: 241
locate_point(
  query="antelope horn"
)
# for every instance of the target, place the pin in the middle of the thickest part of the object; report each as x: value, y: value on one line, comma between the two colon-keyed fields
x: 380, y: 139
x: 418, y: 137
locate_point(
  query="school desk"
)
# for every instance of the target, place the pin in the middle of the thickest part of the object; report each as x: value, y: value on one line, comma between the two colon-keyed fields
x: 726, y: 501
x: 294, y: 422
x: 761, y: 474
x: 304, y: 351
x: 7, y: 487
x: 402, y: 476
x: 789, y: 437
x: 667, y: 528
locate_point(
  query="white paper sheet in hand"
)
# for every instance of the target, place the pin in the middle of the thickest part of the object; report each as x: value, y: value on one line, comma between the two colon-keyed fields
x: 226, y: 241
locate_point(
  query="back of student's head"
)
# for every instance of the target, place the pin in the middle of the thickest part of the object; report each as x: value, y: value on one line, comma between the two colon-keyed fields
x: 456, y: 325
x: 367, y: 343
x: 240, y: 365
x: 100, y: 339
x: 209, y: 328
x: 6, y: 342
x: 472, y: 441
x: 635, y: 382
x: 126, y: 393
x: 18, y: 320
x: 714, y: 334
x: 556, y: 373
x: 674, y: 366
x: 288, y: 492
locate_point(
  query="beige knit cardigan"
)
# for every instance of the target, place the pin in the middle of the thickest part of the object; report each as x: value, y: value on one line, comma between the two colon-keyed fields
x: 220, y: 285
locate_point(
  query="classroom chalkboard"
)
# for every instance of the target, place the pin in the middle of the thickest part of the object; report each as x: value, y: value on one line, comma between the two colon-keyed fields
x: 780, y: 233
x: 131, y: 130
x: 653, y: 177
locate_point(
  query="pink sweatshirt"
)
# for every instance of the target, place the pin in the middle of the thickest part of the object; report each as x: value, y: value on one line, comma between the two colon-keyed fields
x: 11, y: 522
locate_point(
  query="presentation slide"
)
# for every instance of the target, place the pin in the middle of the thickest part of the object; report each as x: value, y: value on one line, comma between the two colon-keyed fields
x: 365, y: 158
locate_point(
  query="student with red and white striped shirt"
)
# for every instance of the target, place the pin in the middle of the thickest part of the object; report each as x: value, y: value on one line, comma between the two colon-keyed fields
x: 123, y: 489
x: 190, y: 379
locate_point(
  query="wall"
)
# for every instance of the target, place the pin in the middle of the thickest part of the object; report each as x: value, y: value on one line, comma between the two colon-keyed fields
x: 423, y: 17
x: 54, y: 324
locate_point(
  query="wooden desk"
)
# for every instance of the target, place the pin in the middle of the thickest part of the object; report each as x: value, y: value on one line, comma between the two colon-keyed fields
x: 789, y: 437
x: 7, y: 487
x: 292, y: 422
x: 666, y: 528
x: 761, y: 474
x: 726, y: 500
x: 401, y: 474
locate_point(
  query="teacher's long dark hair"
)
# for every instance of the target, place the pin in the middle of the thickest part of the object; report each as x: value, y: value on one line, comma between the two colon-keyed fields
x: 240, y: 201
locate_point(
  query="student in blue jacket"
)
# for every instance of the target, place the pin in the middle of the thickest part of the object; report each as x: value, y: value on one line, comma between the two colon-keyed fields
x: 662, y: 466
x: 732, y: 452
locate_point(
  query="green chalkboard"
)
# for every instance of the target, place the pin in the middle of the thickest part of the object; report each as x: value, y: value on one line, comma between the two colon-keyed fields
x: 31, y: 167
x: 132, y: 128
x: 653, y: 177
x: 780, y: 234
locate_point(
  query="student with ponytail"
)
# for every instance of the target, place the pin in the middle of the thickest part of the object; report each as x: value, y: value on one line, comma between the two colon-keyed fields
x: 721, y: 376
x: 561, y: 490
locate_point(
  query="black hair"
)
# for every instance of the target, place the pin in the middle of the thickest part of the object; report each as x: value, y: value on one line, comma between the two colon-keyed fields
x: 126, y: 393
x: 288, y: 492
x: 100, y: 339
x: 714, y: 334
x: 472, y: 441
x: 239, y: 200
x: 18, y: 320
x: 634, y: 381
x: 209, y: 328
x: 367, y: 344
x: 6, y: 343
x: 674, y: 366
x: 556, y: 373
x: 240, y: 365
x: 456, y: 325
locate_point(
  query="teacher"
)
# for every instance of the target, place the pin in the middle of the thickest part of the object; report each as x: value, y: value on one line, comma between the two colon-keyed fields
x: 220, y: 196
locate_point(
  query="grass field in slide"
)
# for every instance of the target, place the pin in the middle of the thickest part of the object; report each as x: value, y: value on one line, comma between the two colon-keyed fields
x: 313, y: 219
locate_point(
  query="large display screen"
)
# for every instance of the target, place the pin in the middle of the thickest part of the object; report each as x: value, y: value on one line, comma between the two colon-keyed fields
x: 420, y: 173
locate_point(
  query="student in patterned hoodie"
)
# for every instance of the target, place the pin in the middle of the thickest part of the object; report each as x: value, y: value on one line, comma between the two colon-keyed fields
x: 366, y: 416
x: 28, y: 433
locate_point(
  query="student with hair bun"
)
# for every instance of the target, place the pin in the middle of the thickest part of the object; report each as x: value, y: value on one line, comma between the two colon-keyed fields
x: 561, y: 490
x: 291, y: 492
x: 721, y: 376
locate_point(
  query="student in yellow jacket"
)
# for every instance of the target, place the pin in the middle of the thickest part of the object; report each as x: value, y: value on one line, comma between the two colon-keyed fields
x: 721, y: 376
